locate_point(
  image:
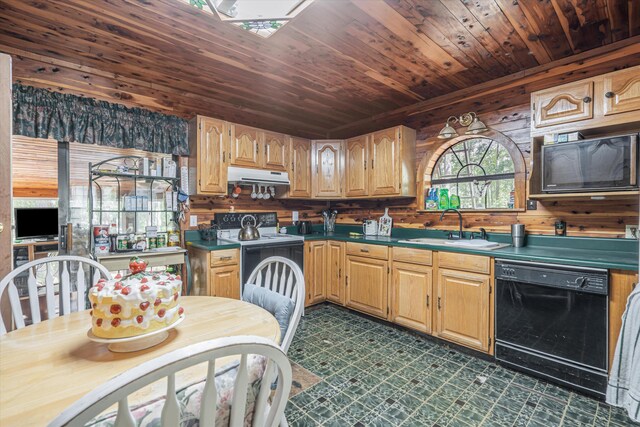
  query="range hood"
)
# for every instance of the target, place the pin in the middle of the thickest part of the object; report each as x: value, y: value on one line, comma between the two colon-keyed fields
x: 236, y: 175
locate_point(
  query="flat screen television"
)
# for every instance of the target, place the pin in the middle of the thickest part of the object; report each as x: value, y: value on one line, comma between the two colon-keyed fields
x: 36, y: 223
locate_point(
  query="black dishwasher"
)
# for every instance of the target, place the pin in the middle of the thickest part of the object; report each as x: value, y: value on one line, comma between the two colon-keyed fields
x: 552, y: 321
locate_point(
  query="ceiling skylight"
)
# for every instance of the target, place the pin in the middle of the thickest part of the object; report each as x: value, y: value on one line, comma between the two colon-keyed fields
x: 261, y: 17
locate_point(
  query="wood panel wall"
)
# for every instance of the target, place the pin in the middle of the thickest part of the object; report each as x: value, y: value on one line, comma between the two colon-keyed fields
x: 588, y: 218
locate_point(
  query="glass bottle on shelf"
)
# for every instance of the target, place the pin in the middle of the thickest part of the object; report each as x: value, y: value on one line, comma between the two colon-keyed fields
x: 173, y: 234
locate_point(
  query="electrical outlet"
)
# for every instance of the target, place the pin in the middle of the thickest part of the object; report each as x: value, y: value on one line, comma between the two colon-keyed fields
x: 294, y: 216
x: 631, y: 232
x: 532, y: 205
x: 193, y: 221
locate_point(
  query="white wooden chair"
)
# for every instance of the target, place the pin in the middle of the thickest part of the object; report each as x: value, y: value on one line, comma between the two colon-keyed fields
x: 283, y: 276
x: 118, y: 388
x: 60, y: 265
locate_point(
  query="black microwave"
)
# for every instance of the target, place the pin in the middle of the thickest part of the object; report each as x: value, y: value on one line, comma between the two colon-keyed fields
x: 598, y: 164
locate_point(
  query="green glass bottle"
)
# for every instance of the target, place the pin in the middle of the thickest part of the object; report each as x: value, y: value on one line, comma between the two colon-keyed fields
x: 443, y: 200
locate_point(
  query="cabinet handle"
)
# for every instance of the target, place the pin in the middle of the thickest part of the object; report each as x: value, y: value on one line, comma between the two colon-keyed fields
x: 225, y: 258
x: 586, y: 99
x: 438, y: 303
x: 346, y: 278
x: 339, y: 273
x: 257, y: 149
x: 371, y: 163
x: 365, y: 165
x: 609, y: 95
x: 224, y: 157
x: 427, y: 301
x: 364, y: 250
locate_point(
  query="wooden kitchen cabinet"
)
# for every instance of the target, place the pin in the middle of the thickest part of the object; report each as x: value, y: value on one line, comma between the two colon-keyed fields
x: 563, y: 104
x: 215, y: 273
x: 209, y: 148
x: 335, y: 272
x: 463, y: 308
x: 392, y: 162
x: 300, y: 173
x: 356, y: 166
x: 411, y: 287
x: 276, y: 149
x: 327, y: 168
x: 621, y: 91
x: 245, y: 146
x: 224, y: 281
x: 315, y: 271
x: 609, y: 102
x: 367, y: 285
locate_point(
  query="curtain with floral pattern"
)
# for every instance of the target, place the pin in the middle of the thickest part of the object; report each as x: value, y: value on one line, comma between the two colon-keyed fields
x: 39, y: 113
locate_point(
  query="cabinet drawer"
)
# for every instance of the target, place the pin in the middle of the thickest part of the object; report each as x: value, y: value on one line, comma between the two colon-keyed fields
x: 370, y: 251
x: 455, y: 261
x: 413, y: 256
x: 225, y: 257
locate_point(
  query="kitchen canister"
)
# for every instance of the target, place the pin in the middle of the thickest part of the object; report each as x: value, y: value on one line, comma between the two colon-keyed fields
x: 517, y: 235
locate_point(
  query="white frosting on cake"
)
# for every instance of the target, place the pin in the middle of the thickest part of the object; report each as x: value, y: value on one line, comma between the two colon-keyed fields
x: 135, y: 305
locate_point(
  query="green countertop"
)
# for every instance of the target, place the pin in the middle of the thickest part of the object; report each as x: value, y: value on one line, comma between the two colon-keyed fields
x: 617, y: 254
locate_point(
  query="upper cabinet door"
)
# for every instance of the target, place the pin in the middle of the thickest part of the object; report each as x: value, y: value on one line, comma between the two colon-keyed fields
x: 213, y: 146
x: 564, y: 104
x: 384, y: 152
x: 300, y: 173
x: 622, y: 91
x: 275, y: 151
x: 356, y: 168
x: 245, y: 146
x: 327, y: 165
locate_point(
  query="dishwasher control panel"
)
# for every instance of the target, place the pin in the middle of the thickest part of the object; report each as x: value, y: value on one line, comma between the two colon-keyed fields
x: 556, y: 276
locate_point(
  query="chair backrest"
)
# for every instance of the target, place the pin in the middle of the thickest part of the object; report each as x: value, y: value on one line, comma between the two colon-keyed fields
x: 59, y: 266
x: 118, y: 388
x: 283, y: 276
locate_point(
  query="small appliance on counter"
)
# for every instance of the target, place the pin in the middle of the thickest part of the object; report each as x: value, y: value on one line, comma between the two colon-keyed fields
x: 370, y: 227
x: 305, y: 227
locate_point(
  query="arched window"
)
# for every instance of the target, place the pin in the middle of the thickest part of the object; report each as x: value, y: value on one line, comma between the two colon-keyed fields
x: 480, y: 171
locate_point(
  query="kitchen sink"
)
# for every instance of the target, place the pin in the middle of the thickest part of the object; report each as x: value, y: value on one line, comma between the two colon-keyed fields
x: 470, y: 244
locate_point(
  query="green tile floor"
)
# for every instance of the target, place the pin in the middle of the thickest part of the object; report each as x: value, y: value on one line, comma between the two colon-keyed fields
x: 374, y: 374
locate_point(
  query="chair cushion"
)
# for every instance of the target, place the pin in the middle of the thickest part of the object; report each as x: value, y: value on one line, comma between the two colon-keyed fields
x: 189, y: 399
x: 279, y: 305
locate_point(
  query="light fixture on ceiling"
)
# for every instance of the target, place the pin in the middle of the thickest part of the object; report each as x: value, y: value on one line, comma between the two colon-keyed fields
x: 470, y: 119
x: 228, y: 7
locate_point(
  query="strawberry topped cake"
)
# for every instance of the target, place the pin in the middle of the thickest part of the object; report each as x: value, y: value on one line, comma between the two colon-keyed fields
x: 136, y: 304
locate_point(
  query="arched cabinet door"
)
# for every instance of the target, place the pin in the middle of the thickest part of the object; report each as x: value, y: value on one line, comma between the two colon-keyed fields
x: 213, y: 147
x: 327, y: 167
x: 275, y: 151
x: 245, y: 146
x: 357, y: 168
x: 563, y: 104
x: 622, y: 91
x: 384, y: 152
x: 300, y: 173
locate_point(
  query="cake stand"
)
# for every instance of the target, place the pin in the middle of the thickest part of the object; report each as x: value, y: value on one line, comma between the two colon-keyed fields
x: 139, y: 342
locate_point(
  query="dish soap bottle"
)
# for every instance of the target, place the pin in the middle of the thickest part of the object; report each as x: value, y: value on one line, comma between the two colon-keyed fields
x: 443, y: 201
x: 454, y: 202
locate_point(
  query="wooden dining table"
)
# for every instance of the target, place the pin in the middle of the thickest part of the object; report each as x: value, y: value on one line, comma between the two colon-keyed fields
x: 46, y: 367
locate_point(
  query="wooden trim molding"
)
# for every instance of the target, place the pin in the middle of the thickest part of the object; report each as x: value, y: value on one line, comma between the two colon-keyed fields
x: 425, y: 169
x: 6, y: 129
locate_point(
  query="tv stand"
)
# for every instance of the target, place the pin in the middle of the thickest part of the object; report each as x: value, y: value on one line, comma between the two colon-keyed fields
x: 31, y: 250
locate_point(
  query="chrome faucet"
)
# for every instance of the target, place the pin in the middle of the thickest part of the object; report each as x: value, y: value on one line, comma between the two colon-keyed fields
x: 452, y: 236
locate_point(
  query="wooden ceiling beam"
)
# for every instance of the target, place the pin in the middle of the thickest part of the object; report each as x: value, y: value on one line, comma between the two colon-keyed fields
x: 569, y: 67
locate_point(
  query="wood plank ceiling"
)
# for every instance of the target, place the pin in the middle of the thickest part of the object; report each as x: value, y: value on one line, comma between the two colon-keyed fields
x: 338, y: 62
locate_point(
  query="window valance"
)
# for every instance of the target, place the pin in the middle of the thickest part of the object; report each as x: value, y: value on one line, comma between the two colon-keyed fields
x: 39, y: 113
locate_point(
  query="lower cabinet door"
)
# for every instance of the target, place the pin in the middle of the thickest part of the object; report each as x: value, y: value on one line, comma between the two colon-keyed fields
x: 411, y: 296
x: 367, y: 285
x: 315, y: 274
x: 463, y: 308
x: 335, y: 272
x: 224, y: 281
